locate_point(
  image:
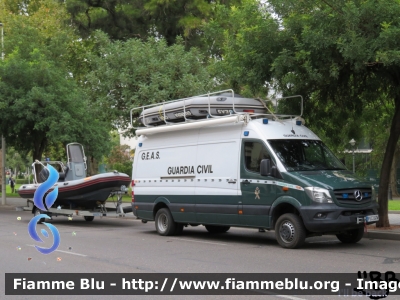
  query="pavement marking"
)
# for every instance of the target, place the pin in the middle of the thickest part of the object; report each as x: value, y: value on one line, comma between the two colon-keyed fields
x: 67, y: 252
x: 189, y: 240
x: 290, y: 297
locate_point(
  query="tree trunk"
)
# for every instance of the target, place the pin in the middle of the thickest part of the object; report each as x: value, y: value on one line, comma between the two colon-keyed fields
x: 393, y: 173
x: 386, y: 166
x: 93, y: 166
x: 38, y: 152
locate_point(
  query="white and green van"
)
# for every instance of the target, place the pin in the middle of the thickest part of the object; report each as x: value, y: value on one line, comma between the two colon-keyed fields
x: 245, y: 169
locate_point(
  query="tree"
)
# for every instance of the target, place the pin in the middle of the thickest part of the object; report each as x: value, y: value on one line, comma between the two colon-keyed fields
x: 247, y: 39
x: 17, y: 161
x: 123, y: 20
x: 40, y: 103
x: 120, y: 159
x: 134, y: 73
x: 340, y: 55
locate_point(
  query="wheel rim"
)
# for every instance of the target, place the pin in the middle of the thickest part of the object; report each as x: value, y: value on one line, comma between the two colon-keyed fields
x: 287, y: 232
x: 162, y: 223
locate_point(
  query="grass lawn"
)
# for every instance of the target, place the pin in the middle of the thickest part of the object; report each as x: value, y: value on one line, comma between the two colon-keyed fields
x: 394, y: 204
x: 8, y: 191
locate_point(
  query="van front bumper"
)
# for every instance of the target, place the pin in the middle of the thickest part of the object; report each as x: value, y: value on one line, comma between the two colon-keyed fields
x: 330, y: 218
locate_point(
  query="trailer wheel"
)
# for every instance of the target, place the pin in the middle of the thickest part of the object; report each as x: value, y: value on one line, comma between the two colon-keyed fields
x: 217, y: 229
x: 88, y: 218
x: 351, y: 236
x: 37, y: 212
x: 165, y: 224
x: 290, y: 231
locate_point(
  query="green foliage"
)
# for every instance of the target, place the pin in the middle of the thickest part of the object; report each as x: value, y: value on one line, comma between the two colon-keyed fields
x: 16, y: 161
x: 247, y: 39
x: 123, y: 20
x: 133, y: 73
x: 40, y: 102
x: 120, y: 159
x: 122, y: 167
x: 22, y: 181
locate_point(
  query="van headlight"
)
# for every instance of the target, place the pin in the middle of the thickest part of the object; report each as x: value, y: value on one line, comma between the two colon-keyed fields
x: 318, y: 195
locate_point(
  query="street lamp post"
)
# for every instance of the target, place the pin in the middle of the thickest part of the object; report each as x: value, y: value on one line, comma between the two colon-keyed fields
x: 353, y: 143
x: 3, y: 141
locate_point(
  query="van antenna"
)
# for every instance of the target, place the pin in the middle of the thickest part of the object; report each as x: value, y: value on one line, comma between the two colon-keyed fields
x: 291, y: 121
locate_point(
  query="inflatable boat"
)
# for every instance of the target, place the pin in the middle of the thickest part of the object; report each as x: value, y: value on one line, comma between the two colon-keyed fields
x: 75, y: 189
x: 200, y: 107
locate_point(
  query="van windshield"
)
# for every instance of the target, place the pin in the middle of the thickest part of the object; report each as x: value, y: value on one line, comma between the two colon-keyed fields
x: 305, y: 155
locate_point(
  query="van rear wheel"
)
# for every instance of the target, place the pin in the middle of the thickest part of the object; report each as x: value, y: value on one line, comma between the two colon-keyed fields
x: 351, y: 236
x: 165, y: 224
x: 217, y: 229
x: 290, y: 231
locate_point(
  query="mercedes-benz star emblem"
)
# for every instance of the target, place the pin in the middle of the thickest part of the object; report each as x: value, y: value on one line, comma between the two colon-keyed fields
x: 357, y: 195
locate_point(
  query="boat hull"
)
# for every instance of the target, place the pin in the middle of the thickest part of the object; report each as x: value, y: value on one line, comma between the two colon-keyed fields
x: 87, y: 192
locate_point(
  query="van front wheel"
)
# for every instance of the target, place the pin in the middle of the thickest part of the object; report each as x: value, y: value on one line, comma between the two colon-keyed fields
x: 165, y: 224
x: 290, y: 231
x: 351, y: 236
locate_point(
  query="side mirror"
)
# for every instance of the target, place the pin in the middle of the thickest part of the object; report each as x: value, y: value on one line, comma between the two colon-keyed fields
x: 274, y: 171
x: 267, y: 169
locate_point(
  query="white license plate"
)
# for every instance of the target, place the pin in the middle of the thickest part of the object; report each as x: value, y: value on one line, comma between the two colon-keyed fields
x: 371, y: 218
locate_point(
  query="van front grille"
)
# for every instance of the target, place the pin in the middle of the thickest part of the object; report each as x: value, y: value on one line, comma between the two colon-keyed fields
x: 353, y: 196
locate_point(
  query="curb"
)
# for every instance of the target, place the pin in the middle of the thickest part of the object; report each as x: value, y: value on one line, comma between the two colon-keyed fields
x: 393, y: 236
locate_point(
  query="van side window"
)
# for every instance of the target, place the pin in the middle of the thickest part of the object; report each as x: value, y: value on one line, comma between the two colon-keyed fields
x: 254, y: 152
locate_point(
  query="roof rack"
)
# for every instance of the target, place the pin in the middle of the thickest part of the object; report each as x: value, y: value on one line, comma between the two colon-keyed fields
x: 159, y: 109
x: 162, y: 105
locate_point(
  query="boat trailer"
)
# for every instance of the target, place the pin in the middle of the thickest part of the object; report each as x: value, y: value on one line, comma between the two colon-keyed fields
x: 100, y: 211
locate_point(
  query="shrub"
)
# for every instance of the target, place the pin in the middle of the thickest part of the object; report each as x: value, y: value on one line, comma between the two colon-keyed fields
x: 21, y: 181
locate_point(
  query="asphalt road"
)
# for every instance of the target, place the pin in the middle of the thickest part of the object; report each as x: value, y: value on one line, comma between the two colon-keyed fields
x: 126, y: 245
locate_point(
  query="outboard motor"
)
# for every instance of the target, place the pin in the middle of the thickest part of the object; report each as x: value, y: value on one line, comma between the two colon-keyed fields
x: 44, y: 174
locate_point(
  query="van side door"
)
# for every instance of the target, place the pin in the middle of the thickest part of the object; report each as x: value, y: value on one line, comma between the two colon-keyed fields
x: 258, y: 192
x: 216, y: 192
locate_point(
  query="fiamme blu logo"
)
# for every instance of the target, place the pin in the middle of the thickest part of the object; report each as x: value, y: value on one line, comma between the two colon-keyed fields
x: 45, y: 205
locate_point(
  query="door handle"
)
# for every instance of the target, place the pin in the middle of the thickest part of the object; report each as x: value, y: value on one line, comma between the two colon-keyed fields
x: 246, y: 182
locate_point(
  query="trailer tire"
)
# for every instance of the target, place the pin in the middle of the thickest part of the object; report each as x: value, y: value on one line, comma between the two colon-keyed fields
x: 289, y: 231
x: 88, y: 218
x: 351, y: 236
x: 217, y: 229
x: 37, y: 212
x: 165, y: 224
